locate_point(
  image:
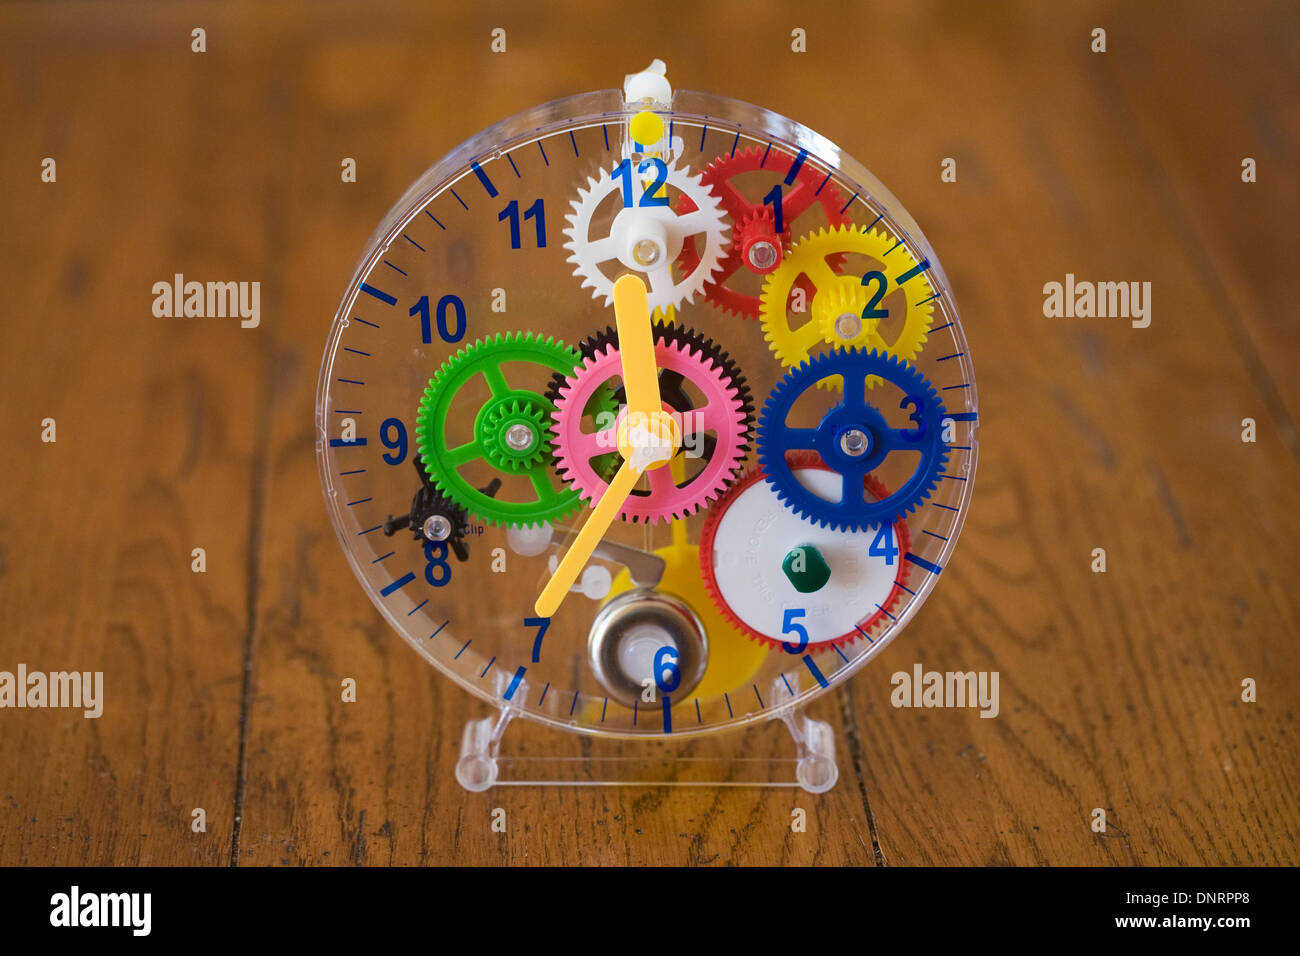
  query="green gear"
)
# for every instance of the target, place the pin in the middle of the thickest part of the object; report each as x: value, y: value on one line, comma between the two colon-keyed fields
x: 493, y: 430
x: 507, y: 406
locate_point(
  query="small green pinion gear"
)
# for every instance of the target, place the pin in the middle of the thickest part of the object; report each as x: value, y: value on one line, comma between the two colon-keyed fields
x: 511, y: 430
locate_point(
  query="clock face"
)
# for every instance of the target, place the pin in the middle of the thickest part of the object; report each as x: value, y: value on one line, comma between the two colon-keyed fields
x: 808, y: 352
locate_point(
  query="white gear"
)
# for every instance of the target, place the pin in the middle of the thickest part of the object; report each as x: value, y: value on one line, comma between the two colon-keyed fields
x: 753, y: 536
x: 647, y: 239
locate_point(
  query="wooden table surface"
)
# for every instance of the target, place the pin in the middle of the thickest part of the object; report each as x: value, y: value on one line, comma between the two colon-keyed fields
x: 1120, y: 690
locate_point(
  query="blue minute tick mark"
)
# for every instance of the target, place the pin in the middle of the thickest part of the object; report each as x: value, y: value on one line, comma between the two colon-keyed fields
x: 378, y: 294
x: 514, y: 683
x: 921, y: 562
x: 394, y: 586
x: 815, y: 670
x: 794, y: 169
x: 483, y: 178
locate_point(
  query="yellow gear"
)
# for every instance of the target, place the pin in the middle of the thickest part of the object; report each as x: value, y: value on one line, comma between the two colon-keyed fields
x: 838, y: 301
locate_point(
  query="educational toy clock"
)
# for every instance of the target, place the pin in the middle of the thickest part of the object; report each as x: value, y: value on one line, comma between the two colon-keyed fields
x: 647, y: 413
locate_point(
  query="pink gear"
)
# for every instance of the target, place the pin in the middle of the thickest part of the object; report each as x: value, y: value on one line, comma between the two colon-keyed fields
x: 723, y: 414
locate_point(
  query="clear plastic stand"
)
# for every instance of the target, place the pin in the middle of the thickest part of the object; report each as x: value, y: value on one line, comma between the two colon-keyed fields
x: 711, y: 761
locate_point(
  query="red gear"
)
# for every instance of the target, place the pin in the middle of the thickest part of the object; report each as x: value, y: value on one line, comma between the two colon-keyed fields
x: 760, y: 227
x: 798, y: 459
x: 756, y: 221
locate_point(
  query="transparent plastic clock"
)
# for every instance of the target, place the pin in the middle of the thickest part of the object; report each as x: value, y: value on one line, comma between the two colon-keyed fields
x: 648, y: 415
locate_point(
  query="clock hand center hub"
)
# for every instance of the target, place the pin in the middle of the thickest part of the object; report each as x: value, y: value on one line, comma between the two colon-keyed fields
x: 649, y: 441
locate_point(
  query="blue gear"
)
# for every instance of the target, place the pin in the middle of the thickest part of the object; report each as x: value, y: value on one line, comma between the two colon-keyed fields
x: 853, y: 512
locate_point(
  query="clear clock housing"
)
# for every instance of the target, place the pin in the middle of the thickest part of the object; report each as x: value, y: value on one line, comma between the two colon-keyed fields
x: 475, y: 249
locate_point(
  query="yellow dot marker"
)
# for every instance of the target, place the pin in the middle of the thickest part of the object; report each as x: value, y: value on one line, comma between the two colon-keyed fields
x: 647, y: 128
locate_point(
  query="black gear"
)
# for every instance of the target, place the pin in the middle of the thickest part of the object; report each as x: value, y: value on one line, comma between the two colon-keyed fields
x: 429, y: 501
x: 670, y: 383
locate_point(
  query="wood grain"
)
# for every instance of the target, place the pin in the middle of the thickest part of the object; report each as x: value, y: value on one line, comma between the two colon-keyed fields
x: 1118, y: 690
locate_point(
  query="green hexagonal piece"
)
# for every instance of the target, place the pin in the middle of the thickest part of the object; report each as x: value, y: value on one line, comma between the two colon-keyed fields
x: 806, y: 569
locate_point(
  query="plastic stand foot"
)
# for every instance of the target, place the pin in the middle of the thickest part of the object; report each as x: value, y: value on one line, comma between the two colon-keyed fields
x: 718, y: 760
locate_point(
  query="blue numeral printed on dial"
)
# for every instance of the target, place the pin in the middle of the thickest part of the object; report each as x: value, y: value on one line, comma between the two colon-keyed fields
x: 536, y: 211
x: 652, y: 196
x: 437, y: 571
x: 790, y: 625
x: 883, y: 545
x: 448, y: 333
x: 541, y: 623
x: 881, y: 283
x: 773, y: 199
x: 668, y: 676
x: 398, y: 443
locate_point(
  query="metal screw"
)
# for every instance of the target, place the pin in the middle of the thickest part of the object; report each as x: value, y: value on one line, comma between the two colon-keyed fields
x: 848, y: 326
x: 437, y: 528
x: 762, y: 255
x: 520, y: 437
x: 854, y: 442
x: 646, y: 252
